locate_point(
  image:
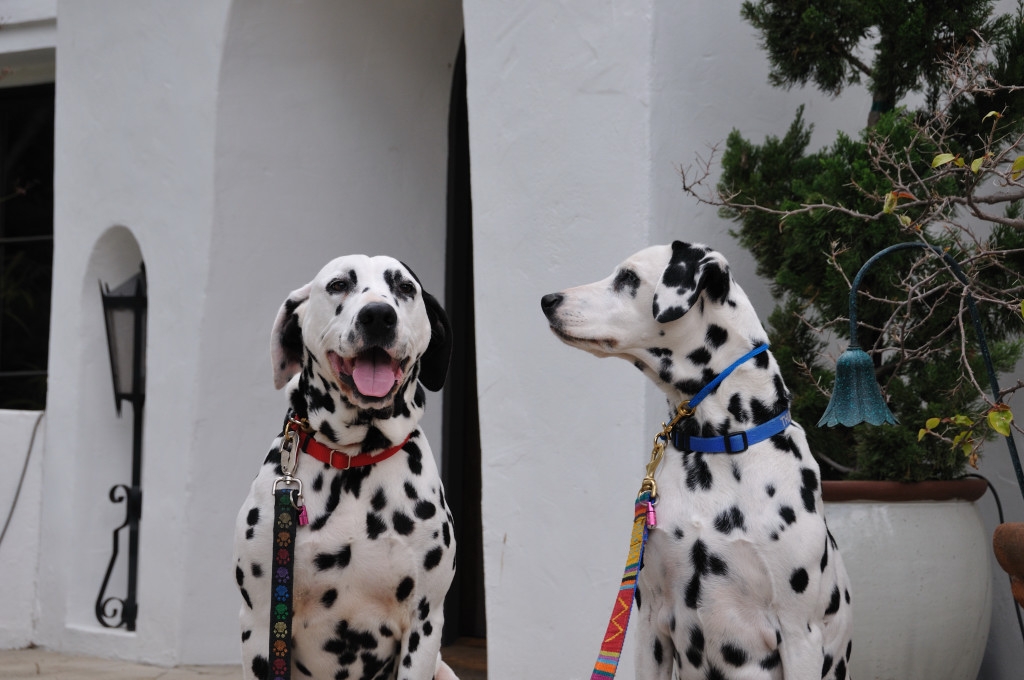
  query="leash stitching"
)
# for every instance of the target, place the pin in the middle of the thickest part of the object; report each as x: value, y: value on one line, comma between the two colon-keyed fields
x: 285, y: 519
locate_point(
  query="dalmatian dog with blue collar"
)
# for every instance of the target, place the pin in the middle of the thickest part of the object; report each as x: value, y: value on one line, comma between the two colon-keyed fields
x: 354, y: 349
x: 741, y: 577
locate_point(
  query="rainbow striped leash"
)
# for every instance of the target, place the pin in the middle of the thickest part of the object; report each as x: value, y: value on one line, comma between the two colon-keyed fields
x: 644, y: 519
x: 611, y: 648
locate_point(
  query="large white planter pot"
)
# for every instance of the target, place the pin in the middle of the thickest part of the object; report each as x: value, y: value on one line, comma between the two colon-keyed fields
x: 921, y: 581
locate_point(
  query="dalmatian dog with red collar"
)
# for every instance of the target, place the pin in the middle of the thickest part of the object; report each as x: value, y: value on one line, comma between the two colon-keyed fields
x: 354, y: 349
x: 741, y: 577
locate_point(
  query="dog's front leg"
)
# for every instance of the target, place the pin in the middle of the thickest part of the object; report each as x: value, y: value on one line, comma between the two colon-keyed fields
x: 420, y: 653
x: 801, y: 648
x: 654, y: 649
x: 654, y: 654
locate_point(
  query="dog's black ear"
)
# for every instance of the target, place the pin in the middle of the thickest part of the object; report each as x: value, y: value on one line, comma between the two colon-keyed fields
x: 691, y: 270
x: 286, y: 337
x: 434, y: 362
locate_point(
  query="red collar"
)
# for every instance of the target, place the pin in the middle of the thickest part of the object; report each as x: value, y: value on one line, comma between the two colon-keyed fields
x: 334, y: 458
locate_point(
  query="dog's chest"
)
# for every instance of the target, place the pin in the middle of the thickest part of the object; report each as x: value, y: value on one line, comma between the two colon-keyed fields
x: 719, y: 513
x: 369, y: 531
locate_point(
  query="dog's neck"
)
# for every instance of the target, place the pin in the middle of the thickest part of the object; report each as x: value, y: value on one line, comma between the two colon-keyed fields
x: 352, y: 429
x: 752, y: 394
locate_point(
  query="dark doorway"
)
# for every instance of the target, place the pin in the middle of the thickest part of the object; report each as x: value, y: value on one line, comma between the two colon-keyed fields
x: 26, y: 243
x: 464, y: 608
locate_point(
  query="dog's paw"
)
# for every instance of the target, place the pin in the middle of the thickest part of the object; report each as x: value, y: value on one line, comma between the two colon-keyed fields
x: 443, y: 671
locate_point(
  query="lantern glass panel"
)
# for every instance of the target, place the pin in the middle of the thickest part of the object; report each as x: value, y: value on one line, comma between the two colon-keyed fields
x: 121, y: 334
x: 124, y: 310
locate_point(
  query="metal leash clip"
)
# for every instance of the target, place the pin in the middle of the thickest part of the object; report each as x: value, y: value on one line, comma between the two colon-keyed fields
x: 289, y: 463
x: 658, y: 451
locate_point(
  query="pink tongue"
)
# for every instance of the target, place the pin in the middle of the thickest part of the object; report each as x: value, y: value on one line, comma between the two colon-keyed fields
x: 373, y: 375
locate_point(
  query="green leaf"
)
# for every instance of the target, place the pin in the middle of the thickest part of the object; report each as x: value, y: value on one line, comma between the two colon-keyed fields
x: 999, y: 419
x: 921, y: 433
x: 890, y: 203
x: 990, y: 114
x: 942, y: 159
x: 905, y: 220
x: 976, y: 164
x: 1017, y: 167
x: 967, y: 449
x: 962, y: 420
x: 932, y: 423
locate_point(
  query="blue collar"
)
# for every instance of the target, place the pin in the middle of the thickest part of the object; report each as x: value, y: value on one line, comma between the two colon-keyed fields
x: 710, y: 387
x: 735, y: 442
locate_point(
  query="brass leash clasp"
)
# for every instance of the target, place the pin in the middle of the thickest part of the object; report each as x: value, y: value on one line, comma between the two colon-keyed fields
x: 658, y: 451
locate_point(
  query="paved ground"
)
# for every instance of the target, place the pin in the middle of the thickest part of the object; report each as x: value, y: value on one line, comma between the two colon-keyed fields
x: 25, y: 664
x: 32, y: 664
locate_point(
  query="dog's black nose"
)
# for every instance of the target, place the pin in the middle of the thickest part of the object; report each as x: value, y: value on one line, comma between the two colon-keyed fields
x: 377, y: 320
x: 550, y: 302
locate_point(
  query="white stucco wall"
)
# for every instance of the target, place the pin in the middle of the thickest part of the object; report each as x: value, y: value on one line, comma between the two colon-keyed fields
x: 135, y: 112
x: 559, y: 105
x: 579, y: 120
x: 28, y: 33
x: 331, y: 139
x: 19, y: 551
x: 245, y: 144
x: 28, y: 39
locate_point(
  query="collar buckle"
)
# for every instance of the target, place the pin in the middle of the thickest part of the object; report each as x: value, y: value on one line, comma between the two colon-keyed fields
x: 743, y: 443
x: 348, y: 460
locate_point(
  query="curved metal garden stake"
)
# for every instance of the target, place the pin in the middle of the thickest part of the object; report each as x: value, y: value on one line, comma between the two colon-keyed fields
x: 851, y: 405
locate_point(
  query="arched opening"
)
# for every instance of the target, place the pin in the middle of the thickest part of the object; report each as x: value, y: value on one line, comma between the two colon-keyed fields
x: 465, y: 613
x: 331, y: 140
x: 104, y: 455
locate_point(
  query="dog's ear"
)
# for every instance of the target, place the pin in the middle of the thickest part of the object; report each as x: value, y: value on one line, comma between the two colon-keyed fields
x: 691, y: 270
x: 434, y: 362
x: 286, y: 337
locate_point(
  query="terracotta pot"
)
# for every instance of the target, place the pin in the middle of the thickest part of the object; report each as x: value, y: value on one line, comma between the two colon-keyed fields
x: 1008, y: 545
x: 918, y: 559
x: 970, y: 489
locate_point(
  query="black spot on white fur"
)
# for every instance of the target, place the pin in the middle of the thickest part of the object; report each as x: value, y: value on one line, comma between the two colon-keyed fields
x: 715, y: 336
x: 798, y: 580
x: 626, y: 283
x: 404, y: 588
x: 729, y: 520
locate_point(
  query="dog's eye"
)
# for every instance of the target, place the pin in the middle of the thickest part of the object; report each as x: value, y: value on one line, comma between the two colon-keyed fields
x: 338, y: 286
x: 407, y: 288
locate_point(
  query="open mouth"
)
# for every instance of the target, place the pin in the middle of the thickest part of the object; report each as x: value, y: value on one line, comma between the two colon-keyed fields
x: 373, y: 372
